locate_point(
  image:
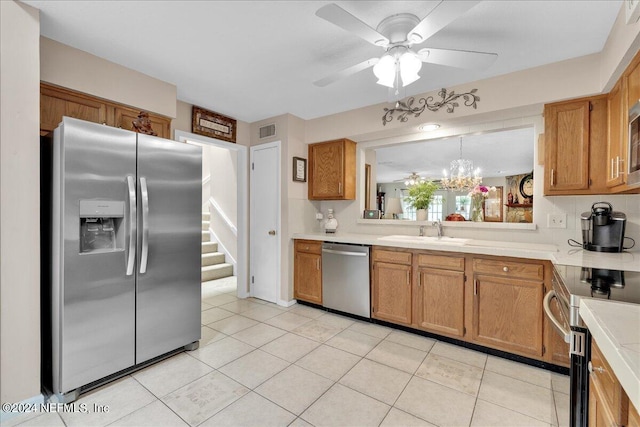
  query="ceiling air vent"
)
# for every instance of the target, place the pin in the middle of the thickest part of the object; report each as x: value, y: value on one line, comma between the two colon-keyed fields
x: 268, y: 131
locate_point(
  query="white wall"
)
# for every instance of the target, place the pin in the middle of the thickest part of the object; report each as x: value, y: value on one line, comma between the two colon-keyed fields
x: 69, y: 67
x: 224, y: 191
x: 20, y: 207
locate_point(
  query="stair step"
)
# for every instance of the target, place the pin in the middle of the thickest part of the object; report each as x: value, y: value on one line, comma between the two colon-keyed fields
x: 217, y: 271
x: 205, y: 225
x: 212, y: 258
x: 206, y: 236
x: 208, y: 247
x: 206, y: 216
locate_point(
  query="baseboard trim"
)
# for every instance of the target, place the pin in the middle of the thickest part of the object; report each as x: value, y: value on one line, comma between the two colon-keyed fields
x: 30, y: 402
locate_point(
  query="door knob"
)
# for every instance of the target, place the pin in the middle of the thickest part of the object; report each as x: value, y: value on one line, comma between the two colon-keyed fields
x: 272, y: 232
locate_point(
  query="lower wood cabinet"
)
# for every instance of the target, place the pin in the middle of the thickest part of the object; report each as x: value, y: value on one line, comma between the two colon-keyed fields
x: 491, y: 301
x: 507, y: 314
x: 307, y: 271
x: 608, y: 403
x: 391, y: 286
x: 557, y: 349
x: 439, y: 294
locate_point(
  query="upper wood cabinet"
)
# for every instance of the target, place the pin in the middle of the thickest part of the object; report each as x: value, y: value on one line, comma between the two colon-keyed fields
x: 616, y: 122
x: 56, y: 102
x: 439, y: 293
x: 575, y: 146
x: 307, y: 271
x: 332, y: 170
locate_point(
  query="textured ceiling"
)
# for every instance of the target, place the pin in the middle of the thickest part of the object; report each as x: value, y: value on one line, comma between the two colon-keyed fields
x: 257, y: 59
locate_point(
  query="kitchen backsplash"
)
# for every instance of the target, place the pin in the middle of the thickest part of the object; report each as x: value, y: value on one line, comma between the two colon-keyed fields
x: 348, y: 212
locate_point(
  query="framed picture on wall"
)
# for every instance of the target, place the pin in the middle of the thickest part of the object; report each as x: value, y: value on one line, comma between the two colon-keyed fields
x: 299, y: 169
x: 493, y: 206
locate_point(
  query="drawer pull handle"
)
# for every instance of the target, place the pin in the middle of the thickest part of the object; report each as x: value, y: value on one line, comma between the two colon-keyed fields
x: 505, y: 269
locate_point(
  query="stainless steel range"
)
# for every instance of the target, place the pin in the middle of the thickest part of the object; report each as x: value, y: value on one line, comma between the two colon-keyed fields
x: 569, y: 285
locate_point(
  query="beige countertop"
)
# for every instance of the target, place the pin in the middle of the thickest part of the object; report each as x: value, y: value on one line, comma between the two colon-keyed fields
x: 616, y: 328
x: 572, y: 256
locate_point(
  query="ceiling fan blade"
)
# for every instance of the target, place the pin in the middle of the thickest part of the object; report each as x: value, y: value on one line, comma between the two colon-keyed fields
x: 343, y: 19
x: 457, y: 58
x: 346, y: 72
x: 442, y: 15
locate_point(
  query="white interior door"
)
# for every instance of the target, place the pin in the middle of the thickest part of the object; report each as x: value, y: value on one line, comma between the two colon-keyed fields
x: 265, y: 221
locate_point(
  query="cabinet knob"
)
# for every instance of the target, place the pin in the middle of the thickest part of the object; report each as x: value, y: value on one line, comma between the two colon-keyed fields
x: 272, y: 232
x: 505, y: 269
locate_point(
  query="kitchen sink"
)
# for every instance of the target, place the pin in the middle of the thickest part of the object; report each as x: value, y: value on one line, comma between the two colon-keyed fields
x: 444, y: 240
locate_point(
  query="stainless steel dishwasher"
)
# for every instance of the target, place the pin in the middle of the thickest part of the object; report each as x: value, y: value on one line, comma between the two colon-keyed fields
x: 345, y: 278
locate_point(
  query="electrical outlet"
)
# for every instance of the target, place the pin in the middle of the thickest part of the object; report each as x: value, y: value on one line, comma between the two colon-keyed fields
x: 318, y: 215
x: 557, y: 220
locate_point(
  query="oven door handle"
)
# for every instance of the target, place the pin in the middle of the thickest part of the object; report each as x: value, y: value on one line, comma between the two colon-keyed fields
x: 566, y: 334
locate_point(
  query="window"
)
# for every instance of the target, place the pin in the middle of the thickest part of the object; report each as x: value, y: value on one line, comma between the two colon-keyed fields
x: 434, y: 213
x: 463, y: 204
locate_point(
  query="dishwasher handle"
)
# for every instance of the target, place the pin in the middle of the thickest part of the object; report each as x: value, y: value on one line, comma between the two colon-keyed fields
x: 566, y: 334
x: 332, y: 251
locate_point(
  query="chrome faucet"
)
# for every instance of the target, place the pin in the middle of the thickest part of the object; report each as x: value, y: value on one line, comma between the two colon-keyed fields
x: 421, y: 231
x: 438, y: 225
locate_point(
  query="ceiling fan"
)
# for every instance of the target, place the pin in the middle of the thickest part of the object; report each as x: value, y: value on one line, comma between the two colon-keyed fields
x: 396, y: 34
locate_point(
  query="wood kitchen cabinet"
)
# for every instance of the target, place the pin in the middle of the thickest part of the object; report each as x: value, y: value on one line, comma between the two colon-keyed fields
x: 391, y: 285
x: 608, y: 403
x: 439, y: 293
x: 56, y: 102
x: 575, y: 146
x: 616, y: 123
x: 332, y: 170
x: 307, y: 271
x: 507, y: 305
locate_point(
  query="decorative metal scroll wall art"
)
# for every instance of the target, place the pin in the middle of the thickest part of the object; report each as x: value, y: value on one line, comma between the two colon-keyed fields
x: 447, y: 99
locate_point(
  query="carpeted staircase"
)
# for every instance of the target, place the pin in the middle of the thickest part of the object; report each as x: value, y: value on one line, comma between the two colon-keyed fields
x: 213, y: 262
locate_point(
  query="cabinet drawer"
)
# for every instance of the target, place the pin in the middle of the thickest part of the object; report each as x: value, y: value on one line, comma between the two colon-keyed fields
x: 609, y: 386
x: 508, y: 268
x: 308, y: 246
x: 396, y: 257
x: 441, y: 261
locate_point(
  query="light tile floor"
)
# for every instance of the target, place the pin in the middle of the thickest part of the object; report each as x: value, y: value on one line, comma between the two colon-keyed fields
x: 263, y: 365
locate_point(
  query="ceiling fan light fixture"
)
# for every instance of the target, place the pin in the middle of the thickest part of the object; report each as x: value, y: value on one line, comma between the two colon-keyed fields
x: 385, y: 70
x: 410, y: 65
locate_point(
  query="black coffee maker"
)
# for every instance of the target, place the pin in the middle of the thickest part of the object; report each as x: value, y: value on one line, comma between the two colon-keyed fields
x: 603, y: 229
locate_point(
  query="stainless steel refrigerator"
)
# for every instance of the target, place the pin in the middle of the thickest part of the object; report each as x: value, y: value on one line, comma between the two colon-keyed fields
x: 121, y: 252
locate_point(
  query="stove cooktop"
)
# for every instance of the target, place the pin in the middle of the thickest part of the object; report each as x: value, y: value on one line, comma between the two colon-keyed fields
x: 587, y: 282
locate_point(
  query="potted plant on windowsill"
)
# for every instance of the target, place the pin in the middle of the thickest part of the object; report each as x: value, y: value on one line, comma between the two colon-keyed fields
x: 420, y: 197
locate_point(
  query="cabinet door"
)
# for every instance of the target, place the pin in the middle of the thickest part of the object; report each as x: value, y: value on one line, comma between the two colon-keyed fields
x: 307, y: 283
x: 567, y: 146
x: 124, y: 118
x: 599, y: 411
x: 616, y: 154
x: 391, y: 298
x: 507, y: 314
x: 326, y: 174
x: 633, y: 81
x: 57, y: 102
x: 440, y: 301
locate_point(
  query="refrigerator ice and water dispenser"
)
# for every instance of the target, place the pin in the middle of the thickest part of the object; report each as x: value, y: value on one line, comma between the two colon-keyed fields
x: 101, y: 226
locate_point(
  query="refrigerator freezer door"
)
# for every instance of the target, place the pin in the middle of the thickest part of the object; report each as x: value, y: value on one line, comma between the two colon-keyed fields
x: 95, y: 302
x: 168, y: 278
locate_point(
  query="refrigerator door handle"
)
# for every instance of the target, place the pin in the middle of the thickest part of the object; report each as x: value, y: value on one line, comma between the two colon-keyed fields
x: 145, y: 225
x: 131, y: 257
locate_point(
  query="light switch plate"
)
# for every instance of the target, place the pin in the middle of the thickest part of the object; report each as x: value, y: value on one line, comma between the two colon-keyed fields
x: 557, y: 220
x: 318, y: 215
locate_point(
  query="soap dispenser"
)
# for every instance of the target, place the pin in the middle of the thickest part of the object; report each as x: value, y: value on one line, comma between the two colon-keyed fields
x: 332, y: 223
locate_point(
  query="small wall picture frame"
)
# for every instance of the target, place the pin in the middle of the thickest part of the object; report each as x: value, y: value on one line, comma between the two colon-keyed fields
x: 299, y: 169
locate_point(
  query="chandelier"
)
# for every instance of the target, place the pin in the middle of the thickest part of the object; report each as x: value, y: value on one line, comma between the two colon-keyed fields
x: 398, y: 67
x: 413, y: 179
x: 463, y: 176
